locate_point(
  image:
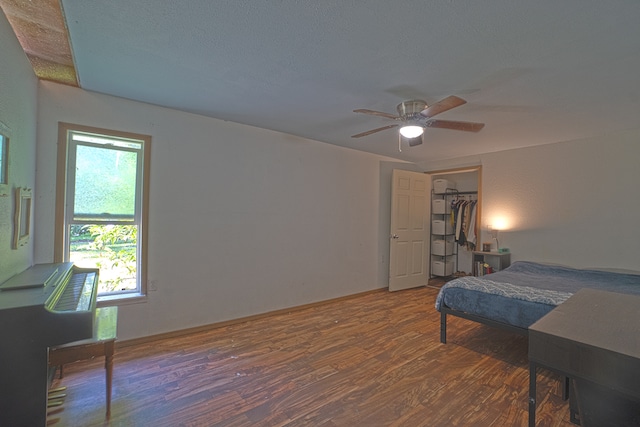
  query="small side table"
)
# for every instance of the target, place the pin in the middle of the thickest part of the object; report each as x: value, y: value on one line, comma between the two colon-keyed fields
x: 497, y: 260
x: 101, y: 344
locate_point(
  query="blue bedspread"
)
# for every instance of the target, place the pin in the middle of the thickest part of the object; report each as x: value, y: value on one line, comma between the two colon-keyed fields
x: 524, y: 292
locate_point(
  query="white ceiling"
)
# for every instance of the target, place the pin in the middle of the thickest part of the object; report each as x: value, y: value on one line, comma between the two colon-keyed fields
x: 534, y: 72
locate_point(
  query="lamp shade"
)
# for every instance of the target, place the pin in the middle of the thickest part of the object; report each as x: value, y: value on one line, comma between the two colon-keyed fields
x: 411, y: 131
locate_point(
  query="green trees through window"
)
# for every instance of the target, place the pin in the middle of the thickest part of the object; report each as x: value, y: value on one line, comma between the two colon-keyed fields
x: 112, y: 248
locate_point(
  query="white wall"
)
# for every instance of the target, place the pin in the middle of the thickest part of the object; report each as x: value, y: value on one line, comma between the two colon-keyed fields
x: 242, y: 220
x: 18, y: 114
x: 574, y: 203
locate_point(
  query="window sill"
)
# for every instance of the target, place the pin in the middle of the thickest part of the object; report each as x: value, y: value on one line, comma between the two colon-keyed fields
x: 121, y: 299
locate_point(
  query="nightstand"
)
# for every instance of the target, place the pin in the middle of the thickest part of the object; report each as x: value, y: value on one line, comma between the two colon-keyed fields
x: 497, y: 260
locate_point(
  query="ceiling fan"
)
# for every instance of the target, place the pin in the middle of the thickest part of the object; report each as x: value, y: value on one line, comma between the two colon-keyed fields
x: 415, y: 115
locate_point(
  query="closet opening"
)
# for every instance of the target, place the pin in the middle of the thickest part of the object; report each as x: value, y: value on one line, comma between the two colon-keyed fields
x: 456, y: 211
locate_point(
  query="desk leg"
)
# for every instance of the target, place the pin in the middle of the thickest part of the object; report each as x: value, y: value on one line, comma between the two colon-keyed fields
x: 532, y: 394
x: 108, y: 366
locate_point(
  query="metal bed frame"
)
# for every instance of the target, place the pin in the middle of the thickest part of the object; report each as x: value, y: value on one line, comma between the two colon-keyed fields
x: 444, y: 310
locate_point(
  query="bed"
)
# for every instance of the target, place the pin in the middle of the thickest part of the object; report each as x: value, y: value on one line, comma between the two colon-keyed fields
x: 519, y: 295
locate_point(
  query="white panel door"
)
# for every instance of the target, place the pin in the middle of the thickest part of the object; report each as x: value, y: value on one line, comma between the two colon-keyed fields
x: 410, y: 213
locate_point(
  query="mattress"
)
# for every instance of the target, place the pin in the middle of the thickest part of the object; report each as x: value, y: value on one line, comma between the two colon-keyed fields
x: 525, y: 291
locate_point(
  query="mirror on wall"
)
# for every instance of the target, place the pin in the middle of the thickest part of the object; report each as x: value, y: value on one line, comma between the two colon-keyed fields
x: 4, y: 164
x: 22, y: 217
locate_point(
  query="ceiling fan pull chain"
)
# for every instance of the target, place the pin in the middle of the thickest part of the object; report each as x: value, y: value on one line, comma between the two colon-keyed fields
x: 399, y: 143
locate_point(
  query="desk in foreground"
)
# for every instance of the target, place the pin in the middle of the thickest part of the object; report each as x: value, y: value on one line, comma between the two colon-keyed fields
x: 593, y: 338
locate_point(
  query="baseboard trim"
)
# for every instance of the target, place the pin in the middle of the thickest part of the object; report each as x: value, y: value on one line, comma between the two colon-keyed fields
x: 204, y: 328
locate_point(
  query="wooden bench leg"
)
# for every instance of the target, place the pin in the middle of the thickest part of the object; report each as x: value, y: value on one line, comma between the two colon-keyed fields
x: 108, y: 366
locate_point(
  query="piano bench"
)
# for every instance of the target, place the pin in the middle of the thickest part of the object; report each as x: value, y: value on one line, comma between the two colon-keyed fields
x: 101, y: 344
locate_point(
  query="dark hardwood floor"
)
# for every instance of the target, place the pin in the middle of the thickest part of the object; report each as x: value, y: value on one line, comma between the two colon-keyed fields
x: 373, y: 360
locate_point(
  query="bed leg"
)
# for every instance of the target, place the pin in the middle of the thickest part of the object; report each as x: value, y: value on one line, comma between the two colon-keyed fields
x: 443, y: 327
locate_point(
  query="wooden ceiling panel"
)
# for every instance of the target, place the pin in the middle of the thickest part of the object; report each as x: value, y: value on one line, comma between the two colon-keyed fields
x: 40, y: 28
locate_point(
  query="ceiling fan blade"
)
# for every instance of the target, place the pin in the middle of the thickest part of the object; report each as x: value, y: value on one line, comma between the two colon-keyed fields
x: 369, y: 132
x: 455, y: 125
x: 376, y: 113
x: 443, y: 105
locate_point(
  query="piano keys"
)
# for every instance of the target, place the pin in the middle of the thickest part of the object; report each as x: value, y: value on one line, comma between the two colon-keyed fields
x: 44, y: 306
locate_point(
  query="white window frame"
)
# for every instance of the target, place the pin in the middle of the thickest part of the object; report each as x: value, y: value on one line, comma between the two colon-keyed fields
x: 64, y: 201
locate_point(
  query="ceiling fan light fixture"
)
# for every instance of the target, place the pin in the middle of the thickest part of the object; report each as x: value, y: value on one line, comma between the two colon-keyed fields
x: 411, y: 131
x: 415, y: 116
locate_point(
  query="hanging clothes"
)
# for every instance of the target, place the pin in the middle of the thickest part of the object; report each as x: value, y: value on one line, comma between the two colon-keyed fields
x: 459, y: 221
x: 472, y: 238
x: 454, y: 218
x: 463, y: 217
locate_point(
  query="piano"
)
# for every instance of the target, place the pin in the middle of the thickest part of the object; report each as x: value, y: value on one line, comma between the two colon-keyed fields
x: 44, y: 306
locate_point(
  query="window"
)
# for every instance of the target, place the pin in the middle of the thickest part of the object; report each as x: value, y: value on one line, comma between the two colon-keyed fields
x: 101, y: 206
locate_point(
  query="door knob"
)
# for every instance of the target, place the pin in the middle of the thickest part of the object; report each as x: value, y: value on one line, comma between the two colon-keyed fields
x: 395, y: 236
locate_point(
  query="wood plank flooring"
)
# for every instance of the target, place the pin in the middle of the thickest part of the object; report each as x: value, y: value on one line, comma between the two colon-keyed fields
x: 374, y: 360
